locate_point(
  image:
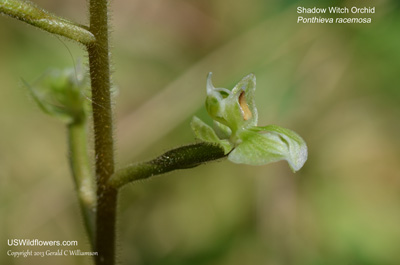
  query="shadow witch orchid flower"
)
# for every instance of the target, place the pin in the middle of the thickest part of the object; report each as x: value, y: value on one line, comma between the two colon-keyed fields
x: 235, y: 128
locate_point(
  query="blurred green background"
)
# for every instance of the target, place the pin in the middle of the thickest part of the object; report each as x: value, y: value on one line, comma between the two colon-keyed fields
x: 336, y: 85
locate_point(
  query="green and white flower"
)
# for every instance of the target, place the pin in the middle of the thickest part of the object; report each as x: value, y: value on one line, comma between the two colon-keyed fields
x: 235, y: 128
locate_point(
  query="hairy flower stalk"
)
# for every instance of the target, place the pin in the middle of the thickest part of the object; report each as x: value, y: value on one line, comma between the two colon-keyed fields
x: 59, y: 93
x: 30, y: 13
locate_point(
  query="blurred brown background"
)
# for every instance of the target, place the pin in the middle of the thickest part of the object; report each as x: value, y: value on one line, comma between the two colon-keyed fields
x: 336, y: 85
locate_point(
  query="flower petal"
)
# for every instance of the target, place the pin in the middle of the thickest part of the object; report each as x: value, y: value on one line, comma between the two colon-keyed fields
x: 263, y: 145
x: 244, y: 91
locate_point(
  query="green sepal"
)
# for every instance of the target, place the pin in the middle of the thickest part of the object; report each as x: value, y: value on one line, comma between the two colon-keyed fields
x: 263, y: 145
x: 205, y: 133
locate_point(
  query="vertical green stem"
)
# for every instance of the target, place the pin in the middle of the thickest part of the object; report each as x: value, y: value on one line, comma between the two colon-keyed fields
x: 99, y: 63
x: 80, y: 166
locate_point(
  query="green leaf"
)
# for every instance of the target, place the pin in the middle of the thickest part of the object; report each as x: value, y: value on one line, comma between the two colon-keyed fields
x: 205, y: 133
x: 263, y: 145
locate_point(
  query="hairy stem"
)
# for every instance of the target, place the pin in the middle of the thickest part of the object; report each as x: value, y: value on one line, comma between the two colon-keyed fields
x: 180, y: 158
x: 80, y: 166
x: 32, y: 14
x: 99, y: 63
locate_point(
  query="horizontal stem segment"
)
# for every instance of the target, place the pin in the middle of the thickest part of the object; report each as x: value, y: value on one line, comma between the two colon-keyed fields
x: 180, y: 158
x: 32, y: 14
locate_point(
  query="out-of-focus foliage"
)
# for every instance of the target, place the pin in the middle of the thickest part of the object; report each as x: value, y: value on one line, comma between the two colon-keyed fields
x: 61, y: 94
x: 336, y: 85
